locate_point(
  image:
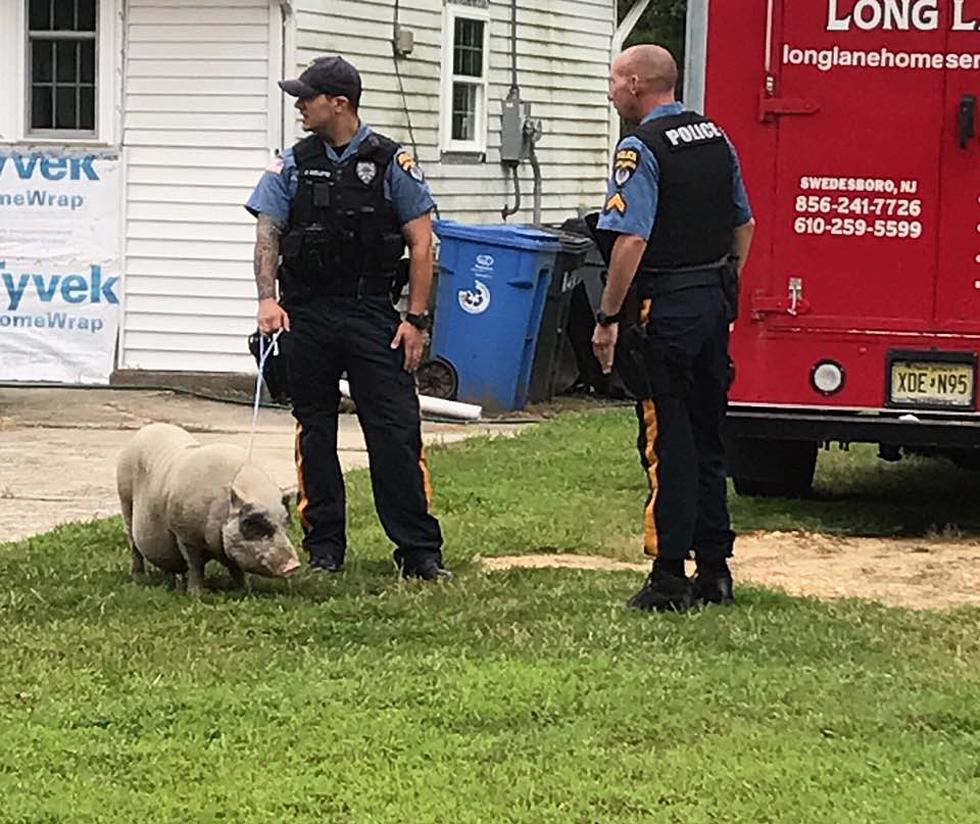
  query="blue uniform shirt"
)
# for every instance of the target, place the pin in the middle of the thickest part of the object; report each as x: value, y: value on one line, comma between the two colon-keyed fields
x: 631, y: 208
x: 404, y: 188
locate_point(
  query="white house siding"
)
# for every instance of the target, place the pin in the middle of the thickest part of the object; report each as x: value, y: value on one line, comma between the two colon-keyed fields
x: 197, y: 129
x: 201, y: 112
x: 563, y: 54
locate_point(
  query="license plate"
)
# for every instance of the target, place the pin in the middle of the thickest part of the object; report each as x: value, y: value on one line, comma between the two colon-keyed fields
x: 932, y: 383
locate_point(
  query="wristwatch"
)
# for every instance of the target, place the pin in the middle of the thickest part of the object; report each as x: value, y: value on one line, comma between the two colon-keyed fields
x: 422, y: 321
x: 608, y: 320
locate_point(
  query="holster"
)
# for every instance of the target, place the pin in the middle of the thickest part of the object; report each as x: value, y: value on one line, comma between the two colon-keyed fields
x: 274, y: 372
x: 630, y: 361
x: 730, y: 286
x: 649, y: 367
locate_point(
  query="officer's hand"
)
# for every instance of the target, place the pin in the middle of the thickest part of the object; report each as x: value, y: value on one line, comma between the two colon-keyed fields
x: 272, y: 317
x: 414, y: 341
x: 604, y: 345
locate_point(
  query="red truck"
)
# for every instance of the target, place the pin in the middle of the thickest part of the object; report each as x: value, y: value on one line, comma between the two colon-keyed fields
x: 856, y: 123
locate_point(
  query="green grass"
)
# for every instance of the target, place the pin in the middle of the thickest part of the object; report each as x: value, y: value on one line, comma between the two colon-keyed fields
x: 576, y: 485
x: 518, y: 696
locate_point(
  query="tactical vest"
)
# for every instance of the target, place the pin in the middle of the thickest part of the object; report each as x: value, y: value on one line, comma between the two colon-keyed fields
x: 341, y: 227
x: 696, y: 210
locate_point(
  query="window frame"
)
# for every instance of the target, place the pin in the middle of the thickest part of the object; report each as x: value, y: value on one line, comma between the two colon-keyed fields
x: 15, y: 80
x: 59, y: 36
x: 451, y: 13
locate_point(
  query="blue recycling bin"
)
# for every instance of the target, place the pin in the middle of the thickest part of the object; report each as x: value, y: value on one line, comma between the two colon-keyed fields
x: 490, y: 295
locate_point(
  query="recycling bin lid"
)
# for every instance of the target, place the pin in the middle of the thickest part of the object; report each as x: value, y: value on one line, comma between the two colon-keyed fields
x: 573, y: 243
x: 515, y: 237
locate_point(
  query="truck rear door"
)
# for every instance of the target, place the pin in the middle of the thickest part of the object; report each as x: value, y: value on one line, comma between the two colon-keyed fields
x: 861, y: 111
x: 958, y: 282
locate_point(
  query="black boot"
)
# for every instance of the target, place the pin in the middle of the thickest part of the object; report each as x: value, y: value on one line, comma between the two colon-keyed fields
x: 713, y: 583
x: 666, y: 589
x: 427, y: 566
x: 326, y: 561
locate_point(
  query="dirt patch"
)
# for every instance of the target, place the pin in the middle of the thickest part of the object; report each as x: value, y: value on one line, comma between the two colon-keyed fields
x: 919, y: 573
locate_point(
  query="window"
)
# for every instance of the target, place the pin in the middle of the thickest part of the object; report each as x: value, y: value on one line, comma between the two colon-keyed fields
x: 61, y: 64
x: 464, y: 95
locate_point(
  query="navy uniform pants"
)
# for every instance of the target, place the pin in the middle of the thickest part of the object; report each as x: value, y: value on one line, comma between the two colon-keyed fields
x: 680, y: 425
x: 329, y: 336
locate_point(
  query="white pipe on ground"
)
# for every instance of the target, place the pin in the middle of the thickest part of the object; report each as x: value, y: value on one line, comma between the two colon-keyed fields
x: 436, y: 406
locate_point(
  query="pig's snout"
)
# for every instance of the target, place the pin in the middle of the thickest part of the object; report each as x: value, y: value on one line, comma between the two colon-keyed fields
x: 289, y: 566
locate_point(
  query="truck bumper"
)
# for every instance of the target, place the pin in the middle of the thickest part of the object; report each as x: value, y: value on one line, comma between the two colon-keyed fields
x: 853, y: 427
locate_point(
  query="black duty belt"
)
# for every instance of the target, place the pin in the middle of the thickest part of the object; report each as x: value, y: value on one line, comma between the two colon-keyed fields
x: 652, y: 285
x: 359, y: 288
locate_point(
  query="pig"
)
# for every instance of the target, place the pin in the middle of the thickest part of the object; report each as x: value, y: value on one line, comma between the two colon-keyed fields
x: 185, y: 504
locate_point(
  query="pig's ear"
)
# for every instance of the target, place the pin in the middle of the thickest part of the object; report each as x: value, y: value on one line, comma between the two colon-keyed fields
x: 236, y: 501
x: 287, y: 499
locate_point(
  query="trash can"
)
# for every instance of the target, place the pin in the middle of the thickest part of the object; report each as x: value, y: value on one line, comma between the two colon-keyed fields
x: 584, y: 303
x: 490, y: 295
x: 551, y: 338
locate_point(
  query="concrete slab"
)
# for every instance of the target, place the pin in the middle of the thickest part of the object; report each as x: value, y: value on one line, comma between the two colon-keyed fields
x: 58, y: 446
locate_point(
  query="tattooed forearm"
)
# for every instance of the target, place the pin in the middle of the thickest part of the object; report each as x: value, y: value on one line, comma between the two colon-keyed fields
x: 267, y: 255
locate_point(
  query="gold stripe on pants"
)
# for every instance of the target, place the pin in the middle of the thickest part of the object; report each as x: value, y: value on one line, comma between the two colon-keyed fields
x: 303, y: 500
x: 426, y: 478
x: 651, y: 541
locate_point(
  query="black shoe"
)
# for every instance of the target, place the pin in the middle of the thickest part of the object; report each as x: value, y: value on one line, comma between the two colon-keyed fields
x: 426, y: 567
x: 713, y: 584
x: 326, y: 563
x: 664, y: 591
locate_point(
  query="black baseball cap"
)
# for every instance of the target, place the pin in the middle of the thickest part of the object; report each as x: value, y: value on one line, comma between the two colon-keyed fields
x: 326, y: 75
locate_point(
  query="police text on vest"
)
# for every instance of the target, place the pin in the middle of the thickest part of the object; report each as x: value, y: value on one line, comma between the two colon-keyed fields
x: 695, y: 133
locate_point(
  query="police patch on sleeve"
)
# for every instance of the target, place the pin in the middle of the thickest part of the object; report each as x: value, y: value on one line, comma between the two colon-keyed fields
x: 616, y: 203
x: 408, y: 164
x: 624, y: 165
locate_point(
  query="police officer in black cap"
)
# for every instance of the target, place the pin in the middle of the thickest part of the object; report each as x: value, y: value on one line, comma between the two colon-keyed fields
x: 335, y: 214
x: 678, y: 227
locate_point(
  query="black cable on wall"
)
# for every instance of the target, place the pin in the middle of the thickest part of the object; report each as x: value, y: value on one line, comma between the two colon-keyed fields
x: 401, y: 83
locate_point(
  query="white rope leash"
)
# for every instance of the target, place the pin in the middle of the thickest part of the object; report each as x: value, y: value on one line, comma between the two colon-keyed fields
x: 263, y: 356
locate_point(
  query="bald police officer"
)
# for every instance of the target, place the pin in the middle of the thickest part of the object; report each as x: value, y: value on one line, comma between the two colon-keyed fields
x: 335, y: 213
x: 676, y: 216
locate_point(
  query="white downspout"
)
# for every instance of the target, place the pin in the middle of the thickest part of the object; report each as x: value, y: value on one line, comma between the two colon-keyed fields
x: 695, y: 61
x: 623, y: 30
x: 286, y: 126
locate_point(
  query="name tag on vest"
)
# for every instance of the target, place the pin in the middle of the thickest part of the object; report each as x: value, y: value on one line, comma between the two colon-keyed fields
x: 695, y: 134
